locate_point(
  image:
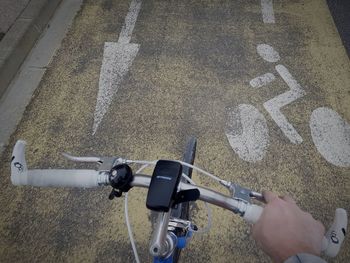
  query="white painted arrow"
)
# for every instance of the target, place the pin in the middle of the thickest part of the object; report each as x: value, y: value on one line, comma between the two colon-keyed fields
x: 117, y: 59
x: 267, y: 11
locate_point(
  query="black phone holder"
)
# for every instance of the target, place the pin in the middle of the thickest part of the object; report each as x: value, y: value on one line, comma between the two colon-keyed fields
x: 162, y: 192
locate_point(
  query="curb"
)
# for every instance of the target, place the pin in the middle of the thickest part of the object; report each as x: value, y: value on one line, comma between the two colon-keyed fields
x: 22, y: 36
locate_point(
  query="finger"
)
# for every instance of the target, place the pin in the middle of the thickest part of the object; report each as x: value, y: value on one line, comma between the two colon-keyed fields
x: 288, y: 199
x: 321, y: 226
x: 269, y: 196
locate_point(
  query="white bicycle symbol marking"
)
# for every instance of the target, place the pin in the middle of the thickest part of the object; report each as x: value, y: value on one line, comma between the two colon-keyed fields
x: 247, y: 131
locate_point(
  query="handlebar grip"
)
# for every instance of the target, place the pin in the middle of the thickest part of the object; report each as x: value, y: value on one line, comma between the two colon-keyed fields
x: 20, y: 175
x: 253, y: 213
x: 331, y: 242
x: 336, y: 233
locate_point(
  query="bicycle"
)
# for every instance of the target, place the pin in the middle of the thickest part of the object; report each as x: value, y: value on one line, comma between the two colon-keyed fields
x: 170, y: 190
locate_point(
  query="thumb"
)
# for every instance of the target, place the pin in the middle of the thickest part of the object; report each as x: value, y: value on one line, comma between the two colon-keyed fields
x: 269, y: 196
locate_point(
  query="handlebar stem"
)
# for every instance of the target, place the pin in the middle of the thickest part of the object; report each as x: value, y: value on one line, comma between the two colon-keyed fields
x: 158, y: 247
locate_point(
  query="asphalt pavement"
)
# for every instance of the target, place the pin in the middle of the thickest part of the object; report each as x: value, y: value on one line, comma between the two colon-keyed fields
x: 192, y: 70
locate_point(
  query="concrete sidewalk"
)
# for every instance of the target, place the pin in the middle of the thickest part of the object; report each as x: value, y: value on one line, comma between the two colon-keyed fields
x: 10, y: 10
x: 18, y: 93
x: 21, y: 23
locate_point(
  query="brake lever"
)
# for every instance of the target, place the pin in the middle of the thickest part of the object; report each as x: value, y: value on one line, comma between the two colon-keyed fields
x: 82, y: 159
x: 242, y: 193
x: 258, y: 196
x: 105, y: 163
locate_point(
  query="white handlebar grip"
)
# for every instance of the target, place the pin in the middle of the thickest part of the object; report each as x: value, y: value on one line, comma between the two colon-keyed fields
x: 19, y: 170
x: 252, y: 213
x: 336, y: 233
x: 20, y: 175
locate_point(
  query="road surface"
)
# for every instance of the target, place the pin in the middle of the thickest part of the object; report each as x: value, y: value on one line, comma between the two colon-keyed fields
x: 193, y: 68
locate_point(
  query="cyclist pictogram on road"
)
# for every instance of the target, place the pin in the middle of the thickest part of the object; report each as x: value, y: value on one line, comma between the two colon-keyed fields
x: 274, y: 105
x: 246, y: 128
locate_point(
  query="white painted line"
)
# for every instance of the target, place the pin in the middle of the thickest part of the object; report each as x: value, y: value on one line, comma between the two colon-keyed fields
x: 262, y: 80
x: 331, y: 136
x: 117, y: 59
x: 268, y: 53
x: 15, y: 100
x: 19, y: 93
x: 247, y: 132
x: 267, y: 11
x: 130, y: 21
x: 274, y: 105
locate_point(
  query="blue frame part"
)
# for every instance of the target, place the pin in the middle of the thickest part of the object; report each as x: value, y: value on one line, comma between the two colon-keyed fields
x: 181, y: 244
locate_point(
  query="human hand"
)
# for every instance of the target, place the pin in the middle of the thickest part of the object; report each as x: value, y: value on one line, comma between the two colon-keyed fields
x: 284, y: 230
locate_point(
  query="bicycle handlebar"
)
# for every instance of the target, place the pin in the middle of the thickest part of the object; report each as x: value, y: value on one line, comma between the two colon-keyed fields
x: 20, y: 175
